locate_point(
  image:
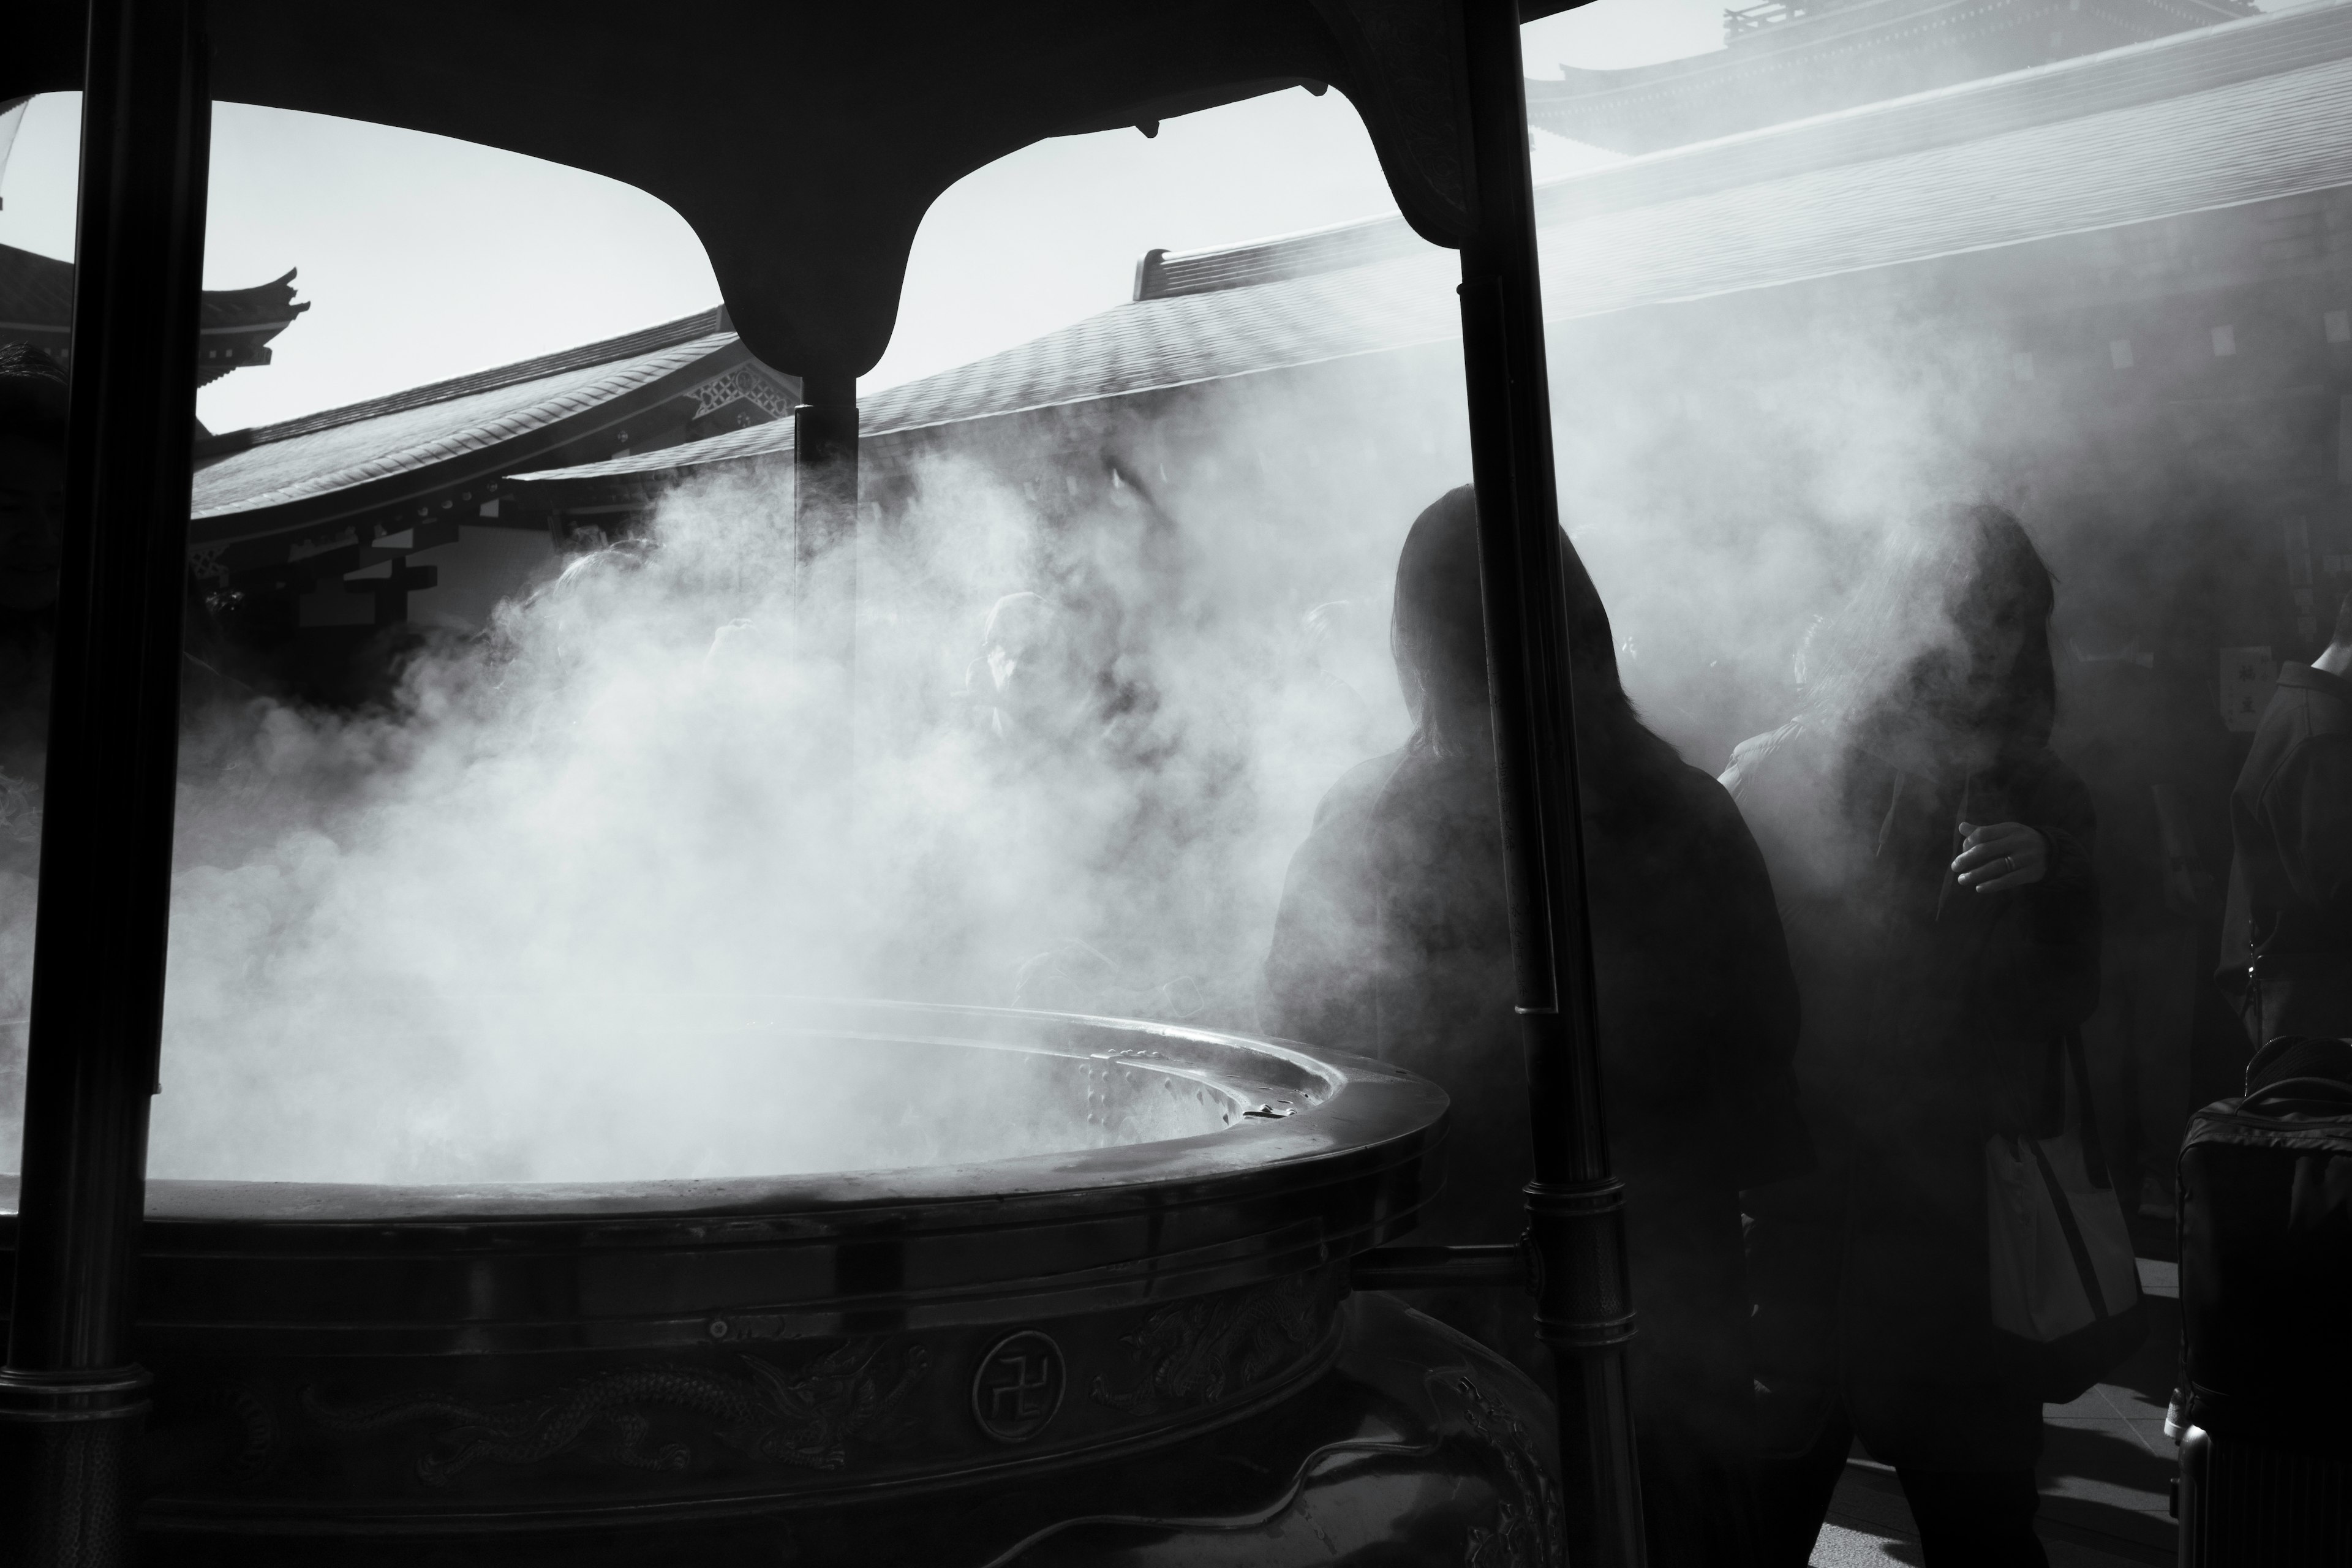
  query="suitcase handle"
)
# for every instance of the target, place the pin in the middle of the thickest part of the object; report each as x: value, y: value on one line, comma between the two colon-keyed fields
x: 2329, y: 1091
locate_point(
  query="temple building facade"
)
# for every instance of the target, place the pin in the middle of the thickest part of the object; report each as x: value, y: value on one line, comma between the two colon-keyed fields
x: 1788, y: 59
x: 320, y: 536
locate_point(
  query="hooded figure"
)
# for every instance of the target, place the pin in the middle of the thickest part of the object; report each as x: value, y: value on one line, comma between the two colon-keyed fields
x: 1394, y: 938
x: 1933, y: 859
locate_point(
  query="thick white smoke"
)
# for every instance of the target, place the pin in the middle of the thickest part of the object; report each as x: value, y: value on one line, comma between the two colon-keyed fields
x: 502, y: 929
x: 505, y: 929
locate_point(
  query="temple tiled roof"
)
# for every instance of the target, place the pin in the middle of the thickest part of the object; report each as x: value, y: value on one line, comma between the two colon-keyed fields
x: 1786, y: 61
x: 348, y: 456
x: 233, y: 325
x: 2221, y: 117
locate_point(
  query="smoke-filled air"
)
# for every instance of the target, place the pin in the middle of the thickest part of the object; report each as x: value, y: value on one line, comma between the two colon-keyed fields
x: 511, y: 925
x: 1039, y: 854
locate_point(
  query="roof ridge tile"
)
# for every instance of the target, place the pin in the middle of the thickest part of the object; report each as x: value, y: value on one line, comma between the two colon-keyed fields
x: 631, y: 373
x: 644, y: 339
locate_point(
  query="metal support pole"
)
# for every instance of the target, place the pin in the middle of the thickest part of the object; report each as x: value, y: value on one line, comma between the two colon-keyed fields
x: 825, y: 516
x: 69, y: 1396
x: 824, y: 548
x: 1575, y: 1207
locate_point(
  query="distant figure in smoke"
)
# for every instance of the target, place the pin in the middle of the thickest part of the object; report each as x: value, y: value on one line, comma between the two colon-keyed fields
x: 2287, y: 939
x: 1025, y: 687
x: 1394, y: 937
x: 1933, y: 859
x: 1072, y: 977
x: 1337, y: 709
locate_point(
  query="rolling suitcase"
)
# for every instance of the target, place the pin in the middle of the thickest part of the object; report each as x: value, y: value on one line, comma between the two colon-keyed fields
x: 2264, y: 1412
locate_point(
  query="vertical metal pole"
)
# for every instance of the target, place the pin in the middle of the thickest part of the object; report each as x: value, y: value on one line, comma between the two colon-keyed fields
x: 69, y: 1396
x: 825, y: 546
x: 1575, y: 1207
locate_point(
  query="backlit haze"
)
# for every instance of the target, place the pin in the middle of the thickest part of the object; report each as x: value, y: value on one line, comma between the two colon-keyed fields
x: 400, y: 934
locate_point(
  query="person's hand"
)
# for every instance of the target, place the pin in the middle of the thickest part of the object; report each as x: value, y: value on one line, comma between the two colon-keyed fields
x: 2002, y: 857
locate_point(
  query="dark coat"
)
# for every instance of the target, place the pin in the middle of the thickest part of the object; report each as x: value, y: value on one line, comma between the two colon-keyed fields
x: 1394, y: 938
x: 2290, y: 915
x: 1929, y: 1011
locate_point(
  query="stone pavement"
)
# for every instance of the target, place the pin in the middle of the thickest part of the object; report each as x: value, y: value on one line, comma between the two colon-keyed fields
x: 2105, y: 1468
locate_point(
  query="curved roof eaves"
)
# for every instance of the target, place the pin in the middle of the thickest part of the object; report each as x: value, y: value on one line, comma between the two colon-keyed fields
x: 320, y: 462
x: 1140, y: 346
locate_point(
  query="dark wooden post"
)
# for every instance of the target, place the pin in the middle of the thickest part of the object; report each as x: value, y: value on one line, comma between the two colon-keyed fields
x: 70, y: 1395
x: 1575, y: 1207
x: 824, y: 525
x: 824, y: 563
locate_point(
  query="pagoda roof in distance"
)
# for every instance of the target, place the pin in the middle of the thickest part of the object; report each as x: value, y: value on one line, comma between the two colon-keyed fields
x: 233, y: 325
x: 2251, y: 112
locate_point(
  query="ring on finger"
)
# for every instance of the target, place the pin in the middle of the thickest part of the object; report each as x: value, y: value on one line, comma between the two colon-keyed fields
x: 2008, y: 864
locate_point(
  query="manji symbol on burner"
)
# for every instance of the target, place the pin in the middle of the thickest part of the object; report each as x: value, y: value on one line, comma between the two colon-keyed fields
x: 1018, y: 1386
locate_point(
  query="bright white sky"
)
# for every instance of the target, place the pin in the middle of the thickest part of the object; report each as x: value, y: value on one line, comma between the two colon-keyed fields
x: 426, y: 258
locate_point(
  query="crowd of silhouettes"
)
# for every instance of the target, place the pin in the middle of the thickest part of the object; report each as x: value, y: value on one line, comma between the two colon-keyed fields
x: 1823, y: 982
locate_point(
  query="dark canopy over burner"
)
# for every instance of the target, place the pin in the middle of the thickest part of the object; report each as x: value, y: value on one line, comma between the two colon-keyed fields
x: 802, y: 142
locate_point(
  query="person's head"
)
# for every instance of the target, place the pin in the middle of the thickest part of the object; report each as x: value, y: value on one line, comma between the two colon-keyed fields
x: 32, y: 477
x: 1437, y: 629
x: 1016, y: 624
x: 1034, y: 672
x: 1946, y: 644
x: 1438, y: 634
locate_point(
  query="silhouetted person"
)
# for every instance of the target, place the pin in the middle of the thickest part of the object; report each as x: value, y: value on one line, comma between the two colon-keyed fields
x: 2287, y: 939
x: 1394, y: 938
x: 2136, y: 737
x: 1933, y: 859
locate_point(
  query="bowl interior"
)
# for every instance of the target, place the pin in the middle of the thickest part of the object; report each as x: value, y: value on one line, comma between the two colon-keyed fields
x: 638, y: 1096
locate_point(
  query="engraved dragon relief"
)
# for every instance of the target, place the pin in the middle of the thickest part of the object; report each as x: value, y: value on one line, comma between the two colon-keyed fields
x: 1198, y: 1352
x: 1530, y: 1532
x: 805, y: 1416
x: 254, y: 1451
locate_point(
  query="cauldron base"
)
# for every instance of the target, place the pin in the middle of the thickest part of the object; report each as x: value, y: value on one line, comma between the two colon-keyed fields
x: 1412, y: 1440
x: 1058, y: 1356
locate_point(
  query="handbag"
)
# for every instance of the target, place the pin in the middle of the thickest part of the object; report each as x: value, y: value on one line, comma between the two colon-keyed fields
x: 2065, y: 1284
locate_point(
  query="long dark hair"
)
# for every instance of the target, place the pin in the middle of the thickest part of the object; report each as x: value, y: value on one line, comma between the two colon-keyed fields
x: 32, y: 395
x: 1947, y: 638
x: 1437, y: 633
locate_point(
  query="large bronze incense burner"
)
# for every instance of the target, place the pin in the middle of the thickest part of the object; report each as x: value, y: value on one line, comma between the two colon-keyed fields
x: 1146, y: 1346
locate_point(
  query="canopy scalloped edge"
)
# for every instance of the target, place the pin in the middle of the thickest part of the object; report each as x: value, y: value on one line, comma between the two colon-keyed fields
x: 804, y: 142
